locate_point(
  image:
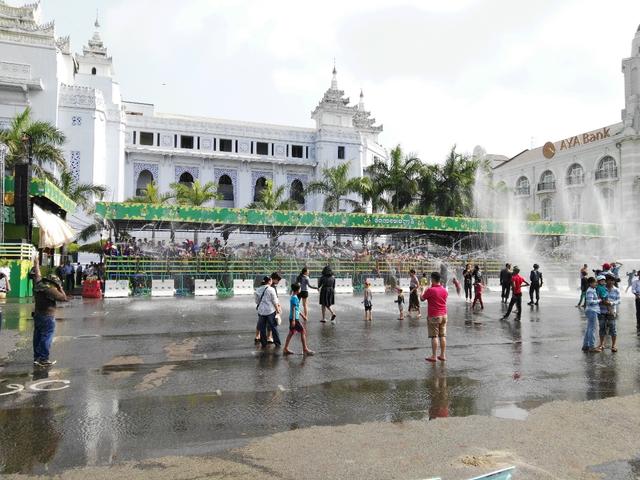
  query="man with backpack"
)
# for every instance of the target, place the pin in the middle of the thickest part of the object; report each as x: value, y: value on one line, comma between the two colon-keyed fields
x: 536, y: 282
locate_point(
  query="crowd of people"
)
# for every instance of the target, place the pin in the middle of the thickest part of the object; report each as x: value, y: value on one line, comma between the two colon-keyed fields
x: 72, y: 275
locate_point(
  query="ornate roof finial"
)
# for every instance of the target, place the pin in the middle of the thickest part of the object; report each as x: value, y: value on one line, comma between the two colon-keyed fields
x: 361, y: 104
x: 334, y: 80
x: 97, y: 22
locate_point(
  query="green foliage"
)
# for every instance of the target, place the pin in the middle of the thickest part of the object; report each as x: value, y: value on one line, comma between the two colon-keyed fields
x: 83, y: 194
x: 271, y: 198
x: 195, y: 194
x: 533, y: 217
x: 46, y: 142
x: 336, y: 186
x: 151, y: 194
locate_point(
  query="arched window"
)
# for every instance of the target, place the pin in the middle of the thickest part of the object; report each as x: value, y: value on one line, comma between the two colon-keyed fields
x: 608, y: 198
x: 575, y: 207
x: 225, y: 188
x: 522, y: 186
x: 186, y: 179
x: 575, y: 174
x: 261, y: 183
x: 144, y: 178
x: 93, y: 71
x: 607, y: 169
x: 546, y: 209
x: 547, y: 181
x: 297, y: 192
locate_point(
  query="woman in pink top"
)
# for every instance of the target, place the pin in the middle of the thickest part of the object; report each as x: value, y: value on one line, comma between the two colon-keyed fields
x: 436, y: 297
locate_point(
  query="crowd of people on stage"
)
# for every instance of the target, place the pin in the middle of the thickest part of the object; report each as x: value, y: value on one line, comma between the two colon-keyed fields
x: 215, y: 248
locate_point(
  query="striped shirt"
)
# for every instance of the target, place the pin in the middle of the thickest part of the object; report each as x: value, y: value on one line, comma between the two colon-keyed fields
x: 592, y: 301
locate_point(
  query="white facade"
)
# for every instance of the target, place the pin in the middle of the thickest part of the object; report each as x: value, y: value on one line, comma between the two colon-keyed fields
x: 588, y: 177
x: 125, y: 145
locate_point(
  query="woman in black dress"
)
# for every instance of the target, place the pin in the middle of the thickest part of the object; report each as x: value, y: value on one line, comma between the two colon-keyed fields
x: 327, y: 284
x: 467, y: 276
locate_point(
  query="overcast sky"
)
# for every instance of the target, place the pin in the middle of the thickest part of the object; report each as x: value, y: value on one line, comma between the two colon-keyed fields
x: 499, y: 73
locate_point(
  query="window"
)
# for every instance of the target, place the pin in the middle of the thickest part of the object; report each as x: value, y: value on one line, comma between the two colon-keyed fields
x: 186, y: 141
x: 296, y: 151
x: 575, y: 175
x: 262, y: 148
x: 186, y: 179
x: 225, y: 188
x: 261, y: 183
x: 547, y: 181
x: 225, y: 145
x: 608, y: 198
x: 546, y: 209
x: 93, y: 71
x: 522, y: 186
x: 607, y: 169
x: 297, y: 192
x: 146, y: 138
x: 341, y: 153
x: 575, y: 207
x: 144, y: 179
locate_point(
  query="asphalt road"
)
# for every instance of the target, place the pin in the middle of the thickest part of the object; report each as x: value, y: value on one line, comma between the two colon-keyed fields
x: 140, y: 379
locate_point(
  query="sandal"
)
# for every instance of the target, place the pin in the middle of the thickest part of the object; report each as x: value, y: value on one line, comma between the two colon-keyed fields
x: 614, y: 349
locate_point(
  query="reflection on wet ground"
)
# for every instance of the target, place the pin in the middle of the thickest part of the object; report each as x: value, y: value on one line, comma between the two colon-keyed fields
x: 181, y: 376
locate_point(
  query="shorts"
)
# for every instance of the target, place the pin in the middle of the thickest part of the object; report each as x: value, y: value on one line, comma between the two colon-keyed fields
x: 367, y: 308
x: 437, y: 326
x: 303, y: 294
x: 607, y: 325
x: 298, y: 327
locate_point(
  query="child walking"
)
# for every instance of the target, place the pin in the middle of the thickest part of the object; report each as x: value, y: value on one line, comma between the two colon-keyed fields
x: 294, y: 322
x: 478, y: 296
x: 400, y: 302
x: 368, y: 297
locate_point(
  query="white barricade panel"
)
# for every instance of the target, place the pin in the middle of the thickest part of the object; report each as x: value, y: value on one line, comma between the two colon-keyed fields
x: 377, y: 285
x: 162, y: 288
x: 344, y: 286
x: 562, y: 284
x: 404, y: 284
x: 206, y: 288
x: 243, y: 287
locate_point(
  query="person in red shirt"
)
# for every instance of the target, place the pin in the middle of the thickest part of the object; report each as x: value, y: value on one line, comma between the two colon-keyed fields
x: 436, y: 298
x: 478, y: 296
x: 517, y: 281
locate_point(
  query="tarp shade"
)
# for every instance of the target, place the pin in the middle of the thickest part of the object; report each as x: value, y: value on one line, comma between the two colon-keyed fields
x: 54, y: 231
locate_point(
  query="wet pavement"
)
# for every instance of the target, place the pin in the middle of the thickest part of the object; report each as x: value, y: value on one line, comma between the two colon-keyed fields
x: 144, y: 378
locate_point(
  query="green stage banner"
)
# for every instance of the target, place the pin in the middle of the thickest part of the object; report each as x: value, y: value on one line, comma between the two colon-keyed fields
x: 122, y: 212
x: 46, y: 189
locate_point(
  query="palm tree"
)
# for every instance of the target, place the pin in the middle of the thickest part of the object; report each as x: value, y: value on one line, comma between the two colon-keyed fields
x: 195, y: 194
x: 81, y: 193
x: 46, y: 141
x: 151, y: 194
x: 398, y: 178
x: 336, y: 187
x: 271, y: 198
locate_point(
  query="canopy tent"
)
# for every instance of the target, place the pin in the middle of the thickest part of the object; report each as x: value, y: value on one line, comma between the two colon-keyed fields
x: 54, y: 231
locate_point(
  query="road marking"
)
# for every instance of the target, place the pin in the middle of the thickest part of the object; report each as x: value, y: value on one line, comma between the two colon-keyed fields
x: 36, y: 387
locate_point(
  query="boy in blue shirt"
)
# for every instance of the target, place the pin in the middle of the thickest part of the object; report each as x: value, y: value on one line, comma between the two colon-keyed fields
x: 294, y: 322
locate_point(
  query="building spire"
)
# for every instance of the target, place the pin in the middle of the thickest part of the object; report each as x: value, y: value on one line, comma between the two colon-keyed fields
x: 361, y: 104
x: 334, y: 79
x: 97, y: 22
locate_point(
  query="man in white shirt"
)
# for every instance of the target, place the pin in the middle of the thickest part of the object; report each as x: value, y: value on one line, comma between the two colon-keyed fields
x: 268, y: 306
x: 635, y: 289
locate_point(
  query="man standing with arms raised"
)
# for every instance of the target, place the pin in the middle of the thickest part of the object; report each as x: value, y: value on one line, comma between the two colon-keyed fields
x: 436, y: 297
x: 46, y: 291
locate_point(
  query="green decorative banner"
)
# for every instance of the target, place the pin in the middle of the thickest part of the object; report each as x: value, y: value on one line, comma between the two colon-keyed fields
x: 123, y: 212
x: 46, y: 189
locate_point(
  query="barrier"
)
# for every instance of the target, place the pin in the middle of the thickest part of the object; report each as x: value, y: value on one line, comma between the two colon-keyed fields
x: 116, y: 289
x: 91, y: 289
x: 243, y: 287
x: 561, y: 284
x: 344, y: 286
x: 405, y: 284
x: 162, y: 288
x: 377, y: 285
x: 206, y: 288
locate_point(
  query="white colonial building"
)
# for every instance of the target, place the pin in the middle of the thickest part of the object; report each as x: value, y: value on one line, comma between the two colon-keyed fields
x: 126, y: 145
x: 592, y: 176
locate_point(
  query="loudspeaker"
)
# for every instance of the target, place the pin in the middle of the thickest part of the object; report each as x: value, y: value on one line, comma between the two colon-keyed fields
x: 21, y: 203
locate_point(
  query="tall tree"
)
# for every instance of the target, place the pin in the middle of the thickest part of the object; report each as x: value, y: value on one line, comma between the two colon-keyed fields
x: 397, y: 178
x: 336, y: 186
x: 81, y: 193
x: 271, y: 198
x: 195, y: 194
x: 46, y: 141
